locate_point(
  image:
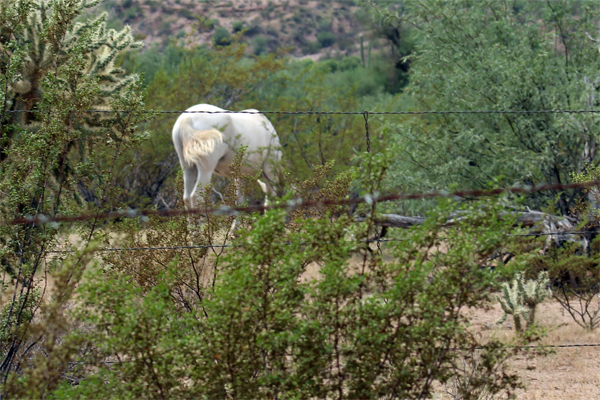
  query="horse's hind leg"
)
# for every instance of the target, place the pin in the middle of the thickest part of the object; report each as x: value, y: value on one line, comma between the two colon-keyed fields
x: 190, y: 182
x: 271, y: 178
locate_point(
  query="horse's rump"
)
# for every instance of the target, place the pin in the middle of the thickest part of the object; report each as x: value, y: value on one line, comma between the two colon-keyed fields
x: 197, y: 144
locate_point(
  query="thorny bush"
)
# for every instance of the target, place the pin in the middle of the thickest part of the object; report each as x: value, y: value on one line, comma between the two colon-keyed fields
x: 55, y: 159
x: 253, y: 321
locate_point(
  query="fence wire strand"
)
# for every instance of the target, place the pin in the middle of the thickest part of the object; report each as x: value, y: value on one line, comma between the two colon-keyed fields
x: 378, y: 241
x: 290, y: 205
x: 318, y: 112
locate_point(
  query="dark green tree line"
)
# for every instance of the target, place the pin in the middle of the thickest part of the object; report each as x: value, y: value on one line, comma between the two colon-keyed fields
x: 501, y: 55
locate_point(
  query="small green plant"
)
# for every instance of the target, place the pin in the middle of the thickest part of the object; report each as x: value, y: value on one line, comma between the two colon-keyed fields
x: 260, y: 43
x: 221, y: 37
x: 575, y: 277
x: 237, y: 26
x: 326, y: 39
x: 522, y: 297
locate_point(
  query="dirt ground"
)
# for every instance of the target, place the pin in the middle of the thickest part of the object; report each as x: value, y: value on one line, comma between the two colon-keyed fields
x: 566, y: 374
x: 571, y: 373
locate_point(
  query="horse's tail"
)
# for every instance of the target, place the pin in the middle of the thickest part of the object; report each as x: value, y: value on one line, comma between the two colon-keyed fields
x: 197, y: 144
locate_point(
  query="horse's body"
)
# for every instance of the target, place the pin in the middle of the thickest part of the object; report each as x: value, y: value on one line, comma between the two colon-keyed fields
x: 206, y: 143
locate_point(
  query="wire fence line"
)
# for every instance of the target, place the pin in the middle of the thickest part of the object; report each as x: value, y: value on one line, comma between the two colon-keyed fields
x: 209, y: 246
x: 293, y: 204
x: 224, y: 246
x: 540, y: 346
x: 319, y: 112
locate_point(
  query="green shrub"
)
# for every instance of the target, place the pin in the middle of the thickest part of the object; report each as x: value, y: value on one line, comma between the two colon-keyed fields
x: 349, y: 63
x: 259, y: 44
x: 186, y: 13
x: 324, y: 25
x: 326, y: 39
x: 238, y: 26
x: 258, y: 329
x: 575, y: 277
x: 312, y: 47
x: 221, y: 37
x: 330, y: 65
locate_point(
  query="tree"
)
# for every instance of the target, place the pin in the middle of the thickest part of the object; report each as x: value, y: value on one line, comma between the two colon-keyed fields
x: 392, y: 27
x: 57, y: 158
x: 501, y: 55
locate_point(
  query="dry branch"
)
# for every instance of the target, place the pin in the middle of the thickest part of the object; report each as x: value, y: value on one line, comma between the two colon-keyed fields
x: 529, y: 218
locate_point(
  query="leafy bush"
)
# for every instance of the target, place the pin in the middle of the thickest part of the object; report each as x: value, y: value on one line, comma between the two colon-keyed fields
x: 259, y: 44
x: 186, y: 13
x: 237, y: 26
x: 326, y: 39
x: 257, y: 327
x: 324, y: 25
x: 349, y: 63
x: 221, y: 37
x: 575, y: 278
x: 312, y: 47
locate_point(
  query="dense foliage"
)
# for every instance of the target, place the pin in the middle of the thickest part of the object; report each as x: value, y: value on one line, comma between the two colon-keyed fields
x: 292, y: 303
x: 501, y: 55
x: 56, y: 159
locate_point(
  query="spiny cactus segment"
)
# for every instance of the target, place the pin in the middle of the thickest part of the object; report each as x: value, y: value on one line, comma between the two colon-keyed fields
x: 522, y: 297
x: 48, y: 41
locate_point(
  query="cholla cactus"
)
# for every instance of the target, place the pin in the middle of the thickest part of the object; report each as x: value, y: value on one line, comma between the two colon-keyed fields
x: 521, y: 299
x: 46, y: 43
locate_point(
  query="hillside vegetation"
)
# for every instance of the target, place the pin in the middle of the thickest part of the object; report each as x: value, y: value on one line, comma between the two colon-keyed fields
x: 310, y: 27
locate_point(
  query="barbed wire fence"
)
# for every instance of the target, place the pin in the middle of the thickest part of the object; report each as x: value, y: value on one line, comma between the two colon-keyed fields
x: 297, y: 203
x: 320, y: 112
x: 289, y: 205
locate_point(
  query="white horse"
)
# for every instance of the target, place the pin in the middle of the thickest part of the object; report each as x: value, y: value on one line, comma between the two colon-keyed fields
x: 206, y: 143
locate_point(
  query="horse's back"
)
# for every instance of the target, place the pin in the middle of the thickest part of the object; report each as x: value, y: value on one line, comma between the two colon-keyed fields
x: 257, y: 127
x: 205, y: 116
x: 249, y: 127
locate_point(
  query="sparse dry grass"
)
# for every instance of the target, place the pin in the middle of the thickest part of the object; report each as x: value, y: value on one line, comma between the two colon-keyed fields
x: 567, y: 374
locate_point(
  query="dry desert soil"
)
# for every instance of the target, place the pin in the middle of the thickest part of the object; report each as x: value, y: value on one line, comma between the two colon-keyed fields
x: 571, y: 373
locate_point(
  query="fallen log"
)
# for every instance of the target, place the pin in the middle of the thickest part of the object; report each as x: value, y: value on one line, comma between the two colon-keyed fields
x: 525, y: 218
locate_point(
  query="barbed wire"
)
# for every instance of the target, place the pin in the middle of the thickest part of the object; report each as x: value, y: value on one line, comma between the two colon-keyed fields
x: 549, y: 346
x: 208, y: 246
x: 562, y: 346
x: 318, y: 112
x: 224, y: 246
x: 293, y: 204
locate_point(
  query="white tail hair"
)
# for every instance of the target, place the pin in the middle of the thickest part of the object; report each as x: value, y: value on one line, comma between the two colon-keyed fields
x: 197, y: 144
